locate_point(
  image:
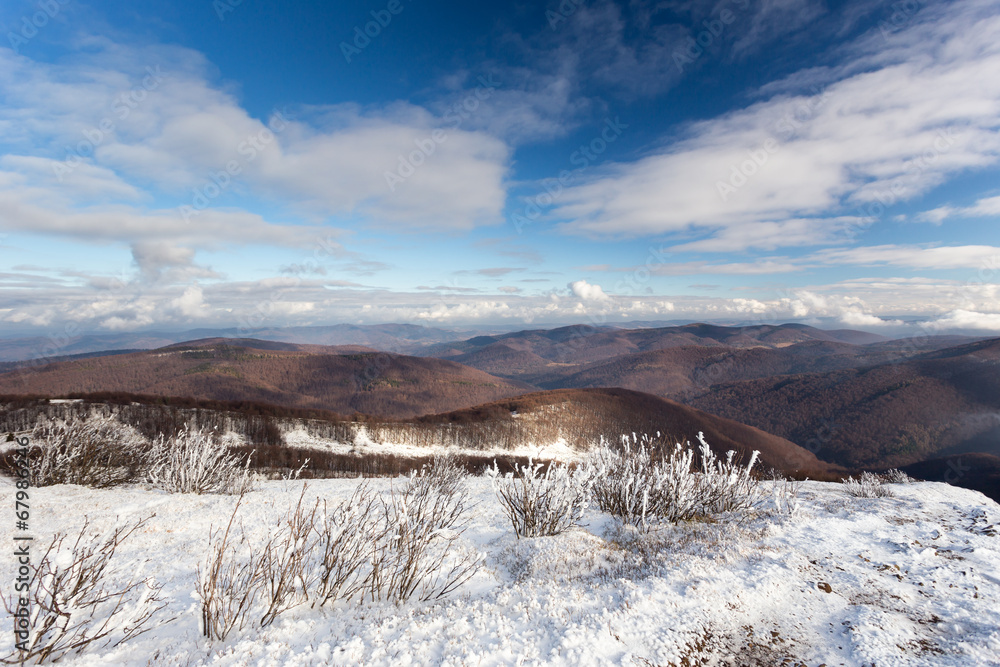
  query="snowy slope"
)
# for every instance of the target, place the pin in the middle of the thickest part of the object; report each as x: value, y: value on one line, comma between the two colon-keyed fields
x: 912, y: 580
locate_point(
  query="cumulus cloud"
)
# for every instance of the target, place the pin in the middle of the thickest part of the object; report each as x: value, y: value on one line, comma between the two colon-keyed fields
x: 588, y: 292
x: 398, y: 165
x: 191, y: 303
x: 967, y: 321
x: 855, y: 318
x: 153, y: 259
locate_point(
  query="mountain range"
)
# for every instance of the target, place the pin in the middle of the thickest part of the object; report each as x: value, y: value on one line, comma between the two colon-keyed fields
x: 853, y: 399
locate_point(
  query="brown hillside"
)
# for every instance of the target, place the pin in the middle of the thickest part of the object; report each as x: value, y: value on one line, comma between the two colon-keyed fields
x: 684, y: 372
x: 283, y: 374
x: 582, y: 416
x: 880, y: 416
x: 570, y: 349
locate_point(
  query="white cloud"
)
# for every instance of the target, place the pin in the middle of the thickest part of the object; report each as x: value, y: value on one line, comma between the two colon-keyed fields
x: 898, y: 118
x: 855, y: 318
x: 984, y: 208
x: 155, y: 258
x: 290, y: 300
x: 917, y: 257
x: 588, y: 292
x: 34, y: 211
x: 936, y: 216
x: 967, y: 320
x: 179, y: 139
x: 763, y: 266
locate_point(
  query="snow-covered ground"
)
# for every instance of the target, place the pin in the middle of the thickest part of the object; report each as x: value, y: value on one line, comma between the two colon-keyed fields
x: 909, y: 580
x: 363, y: 445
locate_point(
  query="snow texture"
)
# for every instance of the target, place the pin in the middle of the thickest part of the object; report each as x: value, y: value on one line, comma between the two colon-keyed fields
x: 906, y: 580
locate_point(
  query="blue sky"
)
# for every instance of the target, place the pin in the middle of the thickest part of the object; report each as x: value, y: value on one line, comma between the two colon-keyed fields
x: 244, y: 164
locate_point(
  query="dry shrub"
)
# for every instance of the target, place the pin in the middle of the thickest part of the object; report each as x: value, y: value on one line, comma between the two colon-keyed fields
x: 896, y: 476
x: 785, y: 494
x: 228, y: 583
x: 75, y: 599
x: 418, y: 554
x: 641, y: 484
x: 542, y: 503
x: 369, y: 547
x: 868, y: 485
x: 195, y: 462
x: 98, y: 452
x: 346, y: 543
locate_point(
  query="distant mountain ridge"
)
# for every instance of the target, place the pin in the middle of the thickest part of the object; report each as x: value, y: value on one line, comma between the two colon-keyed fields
x: 386, y: 337
x: 342, y: 379
x: 582, y: 344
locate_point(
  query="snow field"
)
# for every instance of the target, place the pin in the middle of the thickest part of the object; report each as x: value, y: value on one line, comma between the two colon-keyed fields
x: 912, y: 580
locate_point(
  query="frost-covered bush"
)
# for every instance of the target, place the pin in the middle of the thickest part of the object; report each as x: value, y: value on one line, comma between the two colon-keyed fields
x: 542, y: 503
x: 99, y: 452
x: 785, y: 495
x: 391, y: 547
x: 78, y: 597
x: 417, y: 553
x: 637, y: 484
x: 640, y: 483
x: 896, y: 476
x: 727, y: 486
x: 868, y: 485
x: 194, y: 462
x: 346, y: 539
